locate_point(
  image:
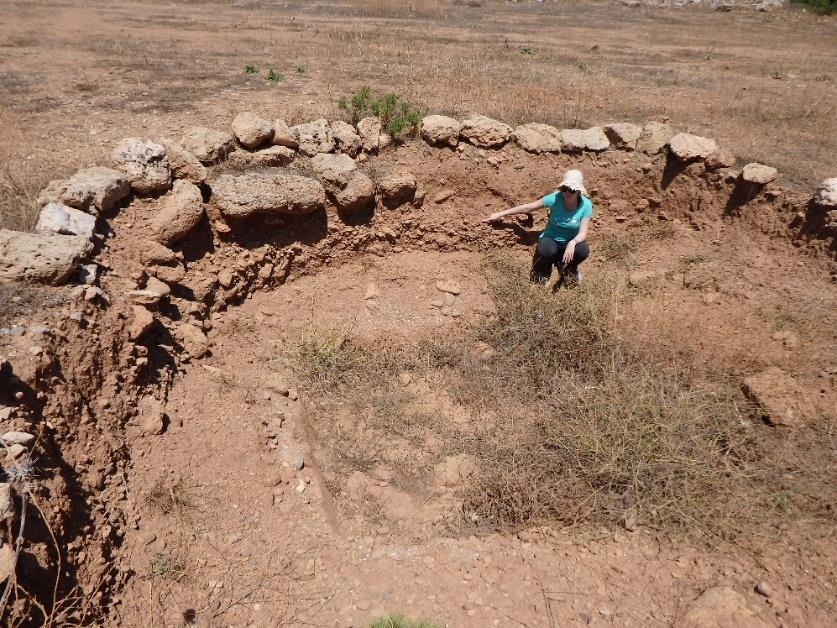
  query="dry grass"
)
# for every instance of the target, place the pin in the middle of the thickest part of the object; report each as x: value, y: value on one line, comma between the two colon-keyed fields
x: 399, y: 8
x: 569, y: 427
x: 18, y: 210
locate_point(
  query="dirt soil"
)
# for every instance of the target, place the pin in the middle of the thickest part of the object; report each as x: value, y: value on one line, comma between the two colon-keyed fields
x: 239, y: 507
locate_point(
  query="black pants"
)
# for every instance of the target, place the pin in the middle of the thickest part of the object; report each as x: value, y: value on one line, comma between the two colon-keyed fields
x: 549, y: 253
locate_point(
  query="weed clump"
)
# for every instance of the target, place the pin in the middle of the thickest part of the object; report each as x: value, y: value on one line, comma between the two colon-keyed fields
x: 822, y: 7
x: 567, y: 424
x: 398, y: 116
x: 397, y: 620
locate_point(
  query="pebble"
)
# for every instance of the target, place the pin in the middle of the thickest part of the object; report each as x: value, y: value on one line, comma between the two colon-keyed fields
x: 297, y: 463
x: 18, y: 438
x: 762, y: 588
x: 449, y: 286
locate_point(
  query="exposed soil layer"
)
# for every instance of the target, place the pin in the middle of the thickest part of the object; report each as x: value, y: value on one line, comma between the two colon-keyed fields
x: 172, y: 482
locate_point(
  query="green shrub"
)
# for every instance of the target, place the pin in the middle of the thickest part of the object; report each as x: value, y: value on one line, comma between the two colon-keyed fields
x: 251, y: 69
x: 397, y: 116
x: 397, y: 620
x: 273, y: 76
x: 823, y: 7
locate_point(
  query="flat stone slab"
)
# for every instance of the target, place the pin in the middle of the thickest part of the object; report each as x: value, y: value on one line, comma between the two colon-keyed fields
x: 40, y: 257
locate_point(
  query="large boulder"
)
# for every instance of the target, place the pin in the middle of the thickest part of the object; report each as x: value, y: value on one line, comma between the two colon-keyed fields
x: 350, y: 188
x: 145, y: 163
x: 759, y: 173
x: 538, y: 138
x: 397, y: 188
x: 826, y: 194
x: 41, y: 257
x: 92, y: 189
x: 577, y: 140
x: 208, y: 145
x: 346, y: 138
x: 688, y: 147
x: 369, y: 130
x: 282, y: 135
x: 654, y: 137
x: 267, y: 158
x: 180, y: 211
x: 250, y: 130
x: 781, y: 399
x: 183, y: 164
x: 335, y: 171
x: 358, y: 193
x: 59, y: 218
x: 314, y: 137
x: 485, y: 132
x: 720, y: 607
x: 245, y: 195
x: 623, y: 135
x: 440, y: 130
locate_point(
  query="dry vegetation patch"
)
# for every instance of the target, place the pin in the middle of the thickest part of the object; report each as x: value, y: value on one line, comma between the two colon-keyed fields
x: 568, y: 426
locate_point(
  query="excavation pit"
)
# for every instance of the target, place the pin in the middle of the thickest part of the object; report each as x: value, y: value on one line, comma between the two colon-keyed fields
x: 332, y: 413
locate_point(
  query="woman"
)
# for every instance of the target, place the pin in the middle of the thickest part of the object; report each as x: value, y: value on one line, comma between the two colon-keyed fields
x: 563, y: 241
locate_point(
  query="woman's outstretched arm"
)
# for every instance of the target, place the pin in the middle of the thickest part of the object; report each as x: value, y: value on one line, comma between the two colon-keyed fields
x: 528, y: 208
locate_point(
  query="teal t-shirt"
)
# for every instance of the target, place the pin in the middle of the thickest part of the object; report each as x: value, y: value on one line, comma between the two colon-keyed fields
x: 563, y: 224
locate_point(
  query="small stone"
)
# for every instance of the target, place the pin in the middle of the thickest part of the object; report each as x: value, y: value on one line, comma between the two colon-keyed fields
x: 144, y: 297
x: 62, y: 219
x: 18, y: 438
x: 7, y: 504
x: 758, y: 173
x: 87, y: 273
x: 15, y: 451
x: 143, y: 319
x: 152, y: 423
x: 444, y: 195
x: 300, y: 486
x: 372, y: 291
x: 762, y: 588
x: 826, y: 194
x: 298, y: 463
x: 404, y: 378
x: 147, y: 537
x: 155, y: 285
x: 449, y: 286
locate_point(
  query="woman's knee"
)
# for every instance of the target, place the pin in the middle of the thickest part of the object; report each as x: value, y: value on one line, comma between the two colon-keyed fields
x: 582, y: 252
x: 547, y: 247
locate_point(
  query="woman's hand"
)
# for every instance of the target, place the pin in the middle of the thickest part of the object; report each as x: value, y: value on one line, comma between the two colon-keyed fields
x: 494, y: 217
x: 569, y: 252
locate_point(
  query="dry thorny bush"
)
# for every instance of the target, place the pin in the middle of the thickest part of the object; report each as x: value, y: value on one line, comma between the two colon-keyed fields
x: 570, y: 427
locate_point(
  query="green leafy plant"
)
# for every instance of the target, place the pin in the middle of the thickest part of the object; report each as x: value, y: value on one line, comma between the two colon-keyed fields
x: 823, y: 7
x: 273, y: 76
x: 299, y: 70
x: 396, y: 114
x: 397, y: 620
x: 527, y: 50
x: 251, y: 69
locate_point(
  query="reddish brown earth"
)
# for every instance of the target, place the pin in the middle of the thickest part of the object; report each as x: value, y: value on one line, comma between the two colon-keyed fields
x: 208, y: 523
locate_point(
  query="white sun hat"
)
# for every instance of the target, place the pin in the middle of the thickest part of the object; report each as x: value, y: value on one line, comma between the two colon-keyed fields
x: 574, y: 180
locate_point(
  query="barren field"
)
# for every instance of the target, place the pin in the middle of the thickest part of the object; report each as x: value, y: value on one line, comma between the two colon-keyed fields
x: 358, y: 411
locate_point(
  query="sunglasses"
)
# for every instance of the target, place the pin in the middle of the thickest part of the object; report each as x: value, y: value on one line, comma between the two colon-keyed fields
x: 567, y: 190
